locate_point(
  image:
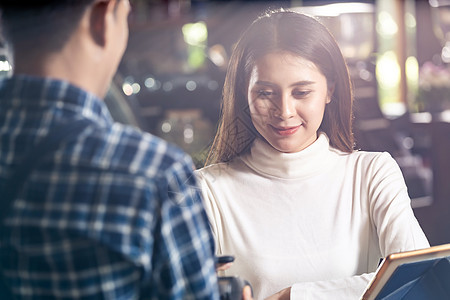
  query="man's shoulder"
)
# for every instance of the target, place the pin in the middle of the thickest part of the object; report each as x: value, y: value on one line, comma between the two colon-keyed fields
x: 136, y: 151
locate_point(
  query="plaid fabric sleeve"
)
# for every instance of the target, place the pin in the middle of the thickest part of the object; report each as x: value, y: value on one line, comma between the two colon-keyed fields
x: 112, y: 235
x: 183, y: 258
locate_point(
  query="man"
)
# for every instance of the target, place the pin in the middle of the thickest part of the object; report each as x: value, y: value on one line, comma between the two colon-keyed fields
x: 111, y: 214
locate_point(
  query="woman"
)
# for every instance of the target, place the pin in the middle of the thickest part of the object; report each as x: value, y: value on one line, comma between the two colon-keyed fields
x: 305, y: 215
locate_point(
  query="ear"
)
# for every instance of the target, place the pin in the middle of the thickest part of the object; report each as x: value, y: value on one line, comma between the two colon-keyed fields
x: 331, y: 87
x: 98, y: 20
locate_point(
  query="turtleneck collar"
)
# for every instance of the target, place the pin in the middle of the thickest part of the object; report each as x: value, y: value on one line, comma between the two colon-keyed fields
x: 268, y: 161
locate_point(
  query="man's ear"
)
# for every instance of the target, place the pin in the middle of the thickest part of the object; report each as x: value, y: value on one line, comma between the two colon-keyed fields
x: 98, y: 20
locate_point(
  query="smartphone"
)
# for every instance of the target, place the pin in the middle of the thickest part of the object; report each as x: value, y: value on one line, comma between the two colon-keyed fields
x: 220, y: 260
x: 230, y: 288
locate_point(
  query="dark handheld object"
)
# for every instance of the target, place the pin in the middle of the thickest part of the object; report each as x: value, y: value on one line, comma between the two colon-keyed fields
x: 224, y: 259
x: 230, y: 287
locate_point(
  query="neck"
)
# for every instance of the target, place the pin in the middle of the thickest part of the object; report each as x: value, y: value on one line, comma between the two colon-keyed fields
x: 63, y: 67
x: 78, y: 63
x: 265, y: 159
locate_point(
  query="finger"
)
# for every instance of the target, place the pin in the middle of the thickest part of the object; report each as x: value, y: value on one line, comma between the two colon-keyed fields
x: 223, y: 267
x: 247, y: 293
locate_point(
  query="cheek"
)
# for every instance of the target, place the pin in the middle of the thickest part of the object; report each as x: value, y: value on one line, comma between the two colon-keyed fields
x: 316, y: 113
x: 259, y: 113
x: 315, y: 107
x: 260, y: 107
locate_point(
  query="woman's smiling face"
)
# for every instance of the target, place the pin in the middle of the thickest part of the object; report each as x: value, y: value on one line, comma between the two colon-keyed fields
x: 287, y: 95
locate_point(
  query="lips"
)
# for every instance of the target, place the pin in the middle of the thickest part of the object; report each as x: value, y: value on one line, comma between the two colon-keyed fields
x: 285, y: 131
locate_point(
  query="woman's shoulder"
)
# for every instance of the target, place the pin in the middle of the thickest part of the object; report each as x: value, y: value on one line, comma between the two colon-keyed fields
x: 371, y: 160
x: 213, y: 167
x: 366, y: 158
x: 371, y: 156
x: 219, y: 170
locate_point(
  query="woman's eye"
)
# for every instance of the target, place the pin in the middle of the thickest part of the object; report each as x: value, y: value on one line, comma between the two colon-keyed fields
x: 300, y: 94
x: 265, y: 94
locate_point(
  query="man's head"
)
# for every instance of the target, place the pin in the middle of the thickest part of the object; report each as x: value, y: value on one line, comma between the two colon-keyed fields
x: 66, y: 38
x: 43, y: 25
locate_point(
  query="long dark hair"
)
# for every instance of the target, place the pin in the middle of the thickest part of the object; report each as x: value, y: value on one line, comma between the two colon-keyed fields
x: 300, y: 35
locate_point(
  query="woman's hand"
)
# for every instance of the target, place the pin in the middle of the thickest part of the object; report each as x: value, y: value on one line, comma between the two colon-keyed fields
x: 281, y: 295
x: 223, y: 267
x: 247, y: 293
x: 224, y: 262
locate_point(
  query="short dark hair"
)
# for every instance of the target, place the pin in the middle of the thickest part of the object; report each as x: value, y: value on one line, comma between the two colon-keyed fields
x: 41, y: 24
x: 300, y: 35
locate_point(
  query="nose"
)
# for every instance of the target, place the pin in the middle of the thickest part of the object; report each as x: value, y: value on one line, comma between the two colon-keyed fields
x: 284, y: 108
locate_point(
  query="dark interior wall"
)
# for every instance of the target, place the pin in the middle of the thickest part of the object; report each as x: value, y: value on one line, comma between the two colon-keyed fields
x: 435, y: 219
x: 428, y: 45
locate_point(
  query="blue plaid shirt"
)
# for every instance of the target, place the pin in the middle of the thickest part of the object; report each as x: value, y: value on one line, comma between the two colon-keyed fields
x: 111, y: 215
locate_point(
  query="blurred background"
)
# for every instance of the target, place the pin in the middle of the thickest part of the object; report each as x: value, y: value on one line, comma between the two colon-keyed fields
x: 170, y: 80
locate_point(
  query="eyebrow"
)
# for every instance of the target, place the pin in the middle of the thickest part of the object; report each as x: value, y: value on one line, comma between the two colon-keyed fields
x: 298, y: 83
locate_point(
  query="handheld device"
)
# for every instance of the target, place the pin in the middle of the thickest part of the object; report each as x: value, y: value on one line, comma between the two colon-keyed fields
x: 416, y: 274
x: 224, y: 259
x: 230, y: 287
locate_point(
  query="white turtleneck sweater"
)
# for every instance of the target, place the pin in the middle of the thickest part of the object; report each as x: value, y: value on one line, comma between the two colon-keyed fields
x: 318, y: 220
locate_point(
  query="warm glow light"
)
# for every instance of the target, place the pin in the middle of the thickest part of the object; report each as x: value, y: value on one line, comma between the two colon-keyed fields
x: 195, y: 33
x: 127, y: 89
x: 136, y: 88
x: 196, y: 36
x: 335, y: 9
x: 217, y: 54
x: 412, y: 71
x: 386, y: 25
x: 188, y: 134
x: 412, y: 80
x: 5, y: 66
x: 388, y: 70
x: 445, y: 54
x: 166, y: 127
x: 410, y: 20
x: 438, y: 3
x: 388, y: 76
x: 150, y: 82
x: 196, y: 57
